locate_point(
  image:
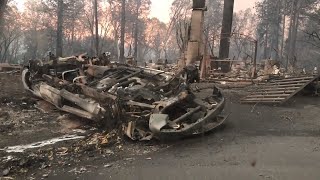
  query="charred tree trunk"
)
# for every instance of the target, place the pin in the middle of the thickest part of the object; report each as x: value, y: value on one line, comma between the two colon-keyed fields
x: 295, y: 33
x: 276, y: 33
x: 60, y: 29
x: 3, y: 4
x: 96, y: 27
x: 265, y: 45
x: 294, y: 24
x: 92, y: 30
x: 226, y: 33
x: 116, y: 41
x: 35, y: 44
x: 136, y: 30
x: 72, y: 36
x: 123, y: 29
x: 290, y: 37
x: 283, y: 30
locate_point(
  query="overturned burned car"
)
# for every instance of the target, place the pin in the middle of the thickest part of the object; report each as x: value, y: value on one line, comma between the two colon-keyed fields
x: 147, y: 103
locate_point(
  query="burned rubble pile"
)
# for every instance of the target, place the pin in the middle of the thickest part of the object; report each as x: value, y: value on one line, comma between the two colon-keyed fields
x: 146, y: 103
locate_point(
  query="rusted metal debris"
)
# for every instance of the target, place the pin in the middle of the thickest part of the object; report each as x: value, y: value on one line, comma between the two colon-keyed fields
x: 148, y: 103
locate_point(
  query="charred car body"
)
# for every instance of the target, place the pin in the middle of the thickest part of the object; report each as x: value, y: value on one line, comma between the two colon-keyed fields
x: 148, y: 103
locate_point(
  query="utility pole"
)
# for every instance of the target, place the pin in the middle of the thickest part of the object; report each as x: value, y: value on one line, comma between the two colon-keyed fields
x: 226, y: 33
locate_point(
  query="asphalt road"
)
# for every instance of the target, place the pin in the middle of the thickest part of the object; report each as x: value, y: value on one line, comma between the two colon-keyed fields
x: 257, y: 142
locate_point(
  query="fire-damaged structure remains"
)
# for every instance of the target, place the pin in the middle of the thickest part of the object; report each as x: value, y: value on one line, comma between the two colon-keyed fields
x: 147, y: 103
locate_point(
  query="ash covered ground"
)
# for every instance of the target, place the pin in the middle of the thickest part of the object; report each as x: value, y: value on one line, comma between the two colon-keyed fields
x: 257, y: 142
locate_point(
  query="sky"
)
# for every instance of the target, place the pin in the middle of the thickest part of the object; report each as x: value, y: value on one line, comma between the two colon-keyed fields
x: 20, y: 3
x: 161, y: 8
